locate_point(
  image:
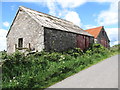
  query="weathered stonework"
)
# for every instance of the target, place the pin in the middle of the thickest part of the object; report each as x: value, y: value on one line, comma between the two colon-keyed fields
x: 103, y: 39
x: 56, y: 40
x: 100, y: 36
x: 35, y: 31
x: 27, y: 28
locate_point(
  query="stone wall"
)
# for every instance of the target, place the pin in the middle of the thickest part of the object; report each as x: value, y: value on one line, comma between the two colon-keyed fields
x: 103, y: 39
x: 56, y: 40
x: 36, y: 36
x: 27, y: 28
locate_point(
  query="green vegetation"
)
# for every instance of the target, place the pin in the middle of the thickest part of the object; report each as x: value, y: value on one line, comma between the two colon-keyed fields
x: 115, y: 49
x: 42, y: 69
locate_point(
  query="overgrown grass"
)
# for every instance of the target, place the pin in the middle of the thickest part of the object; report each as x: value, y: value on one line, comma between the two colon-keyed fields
x: 43, y: 69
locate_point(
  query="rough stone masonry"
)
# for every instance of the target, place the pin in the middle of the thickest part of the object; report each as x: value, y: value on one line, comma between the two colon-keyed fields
x: 35, y: 31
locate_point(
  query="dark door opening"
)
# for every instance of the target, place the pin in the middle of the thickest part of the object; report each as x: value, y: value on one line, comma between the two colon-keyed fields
x: 20, y: 42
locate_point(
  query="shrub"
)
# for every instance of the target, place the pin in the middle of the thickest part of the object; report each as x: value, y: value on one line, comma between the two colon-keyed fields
x: 115, y: 49
x: 53, y: 56
x: 75, y: 52
x: 97, y: 49
x: 41, y: 69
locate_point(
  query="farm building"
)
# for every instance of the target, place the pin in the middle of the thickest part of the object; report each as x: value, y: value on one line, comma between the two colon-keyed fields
x: 35, y: 31
x: 100, y: 36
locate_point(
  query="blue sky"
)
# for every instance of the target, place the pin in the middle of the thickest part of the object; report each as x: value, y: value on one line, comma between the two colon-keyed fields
x: 84, y: 13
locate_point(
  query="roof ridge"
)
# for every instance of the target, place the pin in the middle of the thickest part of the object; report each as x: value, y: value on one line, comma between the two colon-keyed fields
x: 56, y: 23
x: 22, y: 7
x: 95, y: 27
x: 94, y: 31
x: 66, y: 26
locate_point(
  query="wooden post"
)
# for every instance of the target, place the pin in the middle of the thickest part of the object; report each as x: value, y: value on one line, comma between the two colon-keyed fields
x: 29, y: 47
x: 15, y: 47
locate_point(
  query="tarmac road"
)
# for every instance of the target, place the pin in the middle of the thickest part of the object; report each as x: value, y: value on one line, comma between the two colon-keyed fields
x: 102, y: 75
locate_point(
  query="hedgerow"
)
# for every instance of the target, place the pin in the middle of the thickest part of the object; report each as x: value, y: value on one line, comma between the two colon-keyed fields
x: 42, y: 69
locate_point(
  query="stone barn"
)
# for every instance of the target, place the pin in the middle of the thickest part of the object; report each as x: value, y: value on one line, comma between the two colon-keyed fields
x: 100, y: 36
x: 34, y: 31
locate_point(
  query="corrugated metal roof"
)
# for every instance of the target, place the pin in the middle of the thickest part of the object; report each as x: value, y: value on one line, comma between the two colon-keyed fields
x: 94, y: 31
x: 53, y: 22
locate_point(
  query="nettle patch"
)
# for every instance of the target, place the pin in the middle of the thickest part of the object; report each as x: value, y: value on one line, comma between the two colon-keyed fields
x: 42, y: 69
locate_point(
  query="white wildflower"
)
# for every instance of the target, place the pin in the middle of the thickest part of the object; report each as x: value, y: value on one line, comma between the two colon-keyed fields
x: 17, y: 82
x: 62, y: 57
x: 10, y: 80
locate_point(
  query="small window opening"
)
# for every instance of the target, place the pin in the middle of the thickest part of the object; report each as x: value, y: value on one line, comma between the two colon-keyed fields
x: 20, y: 42
x: 103, y: 33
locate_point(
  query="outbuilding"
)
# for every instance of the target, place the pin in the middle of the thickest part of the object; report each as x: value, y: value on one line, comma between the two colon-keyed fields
x: 34, y: 31
x: 100, y: 36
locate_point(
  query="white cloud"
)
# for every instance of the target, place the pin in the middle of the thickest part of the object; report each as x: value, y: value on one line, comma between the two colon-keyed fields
x: 113, y: 35
x: 51, y: 6
x: 76, y: 3
x: 56, y: 8
x: 89, y: 26
x: 6, y: 24
x: 3, y: 34
x: 109, y: 16
x: 76, y: 20
x: 104, y: 18
x: 70, y: 3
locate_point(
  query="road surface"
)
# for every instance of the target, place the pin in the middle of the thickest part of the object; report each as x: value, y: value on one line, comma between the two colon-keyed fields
x: 102, y: 75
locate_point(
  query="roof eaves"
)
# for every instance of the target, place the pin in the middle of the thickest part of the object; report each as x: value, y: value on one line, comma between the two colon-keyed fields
x: 52, y: 16
x: 92, y: 29
x: 70, y: 31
